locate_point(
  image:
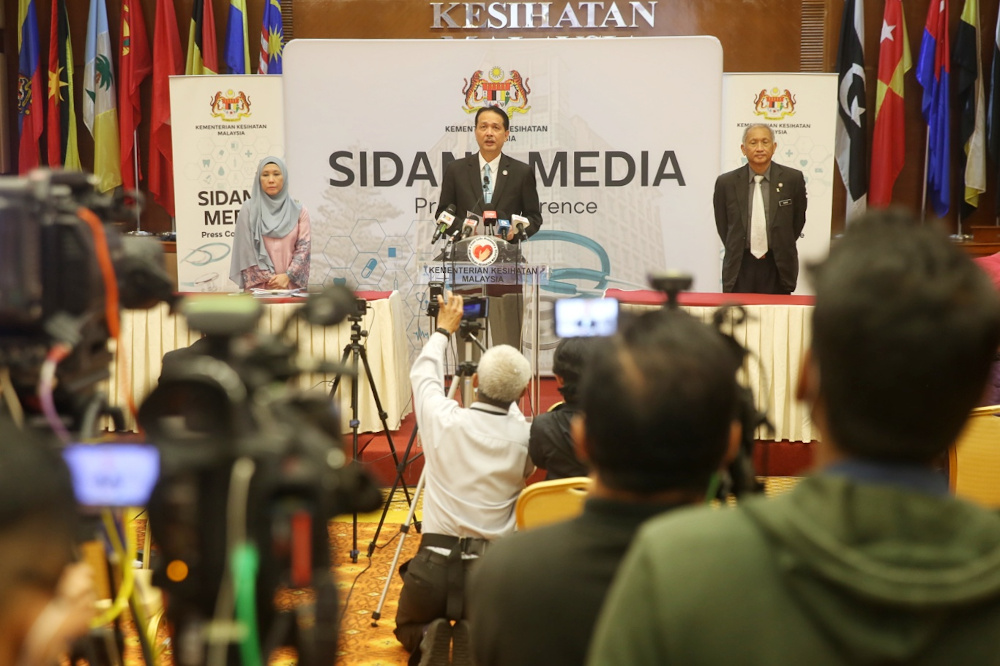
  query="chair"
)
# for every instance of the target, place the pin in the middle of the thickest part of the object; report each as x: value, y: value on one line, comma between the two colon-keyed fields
x: 974, y: 460
x: 548, y: 502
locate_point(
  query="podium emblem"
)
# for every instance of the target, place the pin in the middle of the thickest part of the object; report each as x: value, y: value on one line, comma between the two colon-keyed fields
x: 483, y: 251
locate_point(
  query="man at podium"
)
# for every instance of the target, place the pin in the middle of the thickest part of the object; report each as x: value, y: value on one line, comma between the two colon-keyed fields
x: 490, y: 180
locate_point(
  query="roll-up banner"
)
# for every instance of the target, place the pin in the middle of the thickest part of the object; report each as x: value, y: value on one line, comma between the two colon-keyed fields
x: 802, y: 111
x: 222, y: 127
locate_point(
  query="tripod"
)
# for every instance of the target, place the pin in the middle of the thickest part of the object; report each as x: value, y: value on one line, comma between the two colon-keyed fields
x: 463, y: 376
x: 469, y: 330
x: 355, y: 350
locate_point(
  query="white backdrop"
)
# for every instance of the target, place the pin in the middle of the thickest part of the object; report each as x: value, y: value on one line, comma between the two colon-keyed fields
x: 801, y: 110
x: 222, y: 127
x: 644, y: 107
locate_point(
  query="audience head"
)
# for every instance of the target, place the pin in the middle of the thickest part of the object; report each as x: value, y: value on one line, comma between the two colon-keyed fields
x: 503, y: 374
x: 659, y: 400
x: 568, y: 362
x: 905, y: 327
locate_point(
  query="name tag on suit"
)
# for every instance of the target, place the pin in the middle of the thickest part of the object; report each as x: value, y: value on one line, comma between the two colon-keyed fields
x: 785, y: 202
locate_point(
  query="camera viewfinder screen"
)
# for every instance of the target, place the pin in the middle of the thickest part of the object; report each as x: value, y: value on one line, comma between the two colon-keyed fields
x: 585, y: 317
x: 112, y: 475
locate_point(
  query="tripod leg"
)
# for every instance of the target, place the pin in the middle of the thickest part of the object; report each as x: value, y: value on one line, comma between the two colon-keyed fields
x: 355, y: 348
x: 382, y: 415
x: 336, y: 380
x: 403, y: 530
x: 400, y: 470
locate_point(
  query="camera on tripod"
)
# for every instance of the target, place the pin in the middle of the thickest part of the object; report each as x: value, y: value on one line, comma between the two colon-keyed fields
x: 360, y: 308
x: 473, y: 307
x: 227, y: 407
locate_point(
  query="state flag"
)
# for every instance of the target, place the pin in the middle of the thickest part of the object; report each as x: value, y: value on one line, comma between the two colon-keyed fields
x: 888, y: 139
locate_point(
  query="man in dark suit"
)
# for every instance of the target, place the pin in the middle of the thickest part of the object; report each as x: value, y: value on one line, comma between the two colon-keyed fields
x: 490, y: 180
x: 765, y: 262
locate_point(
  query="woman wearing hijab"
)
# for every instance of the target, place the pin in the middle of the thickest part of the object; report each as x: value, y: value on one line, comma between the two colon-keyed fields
x: 272, y: 244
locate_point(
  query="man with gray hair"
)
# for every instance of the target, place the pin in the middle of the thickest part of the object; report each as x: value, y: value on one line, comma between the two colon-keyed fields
x: 476, y: 464
x: 760, y: 209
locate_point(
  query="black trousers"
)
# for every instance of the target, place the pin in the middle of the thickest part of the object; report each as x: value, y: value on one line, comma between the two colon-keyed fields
x: 433, y: 586
x: 758, y: 276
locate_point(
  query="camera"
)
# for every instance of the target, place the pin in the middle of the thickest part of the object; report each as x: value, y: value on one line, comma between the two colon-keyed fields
x: 360, y: 307
x: 473, y: 307
x: 64, y: 271
x: 248, y: 470
x: 434, y: 289
x: 225, y: 417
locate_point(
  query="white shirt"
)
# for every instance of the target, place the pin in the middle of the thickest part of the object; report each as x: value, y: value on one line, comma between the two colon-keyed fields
x: 476, y: 459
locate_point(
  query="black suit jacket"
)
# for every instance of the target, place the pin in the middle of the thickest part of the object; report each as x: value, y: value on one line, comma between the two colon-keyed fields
x: 514, y: 190
x: 786, y: 217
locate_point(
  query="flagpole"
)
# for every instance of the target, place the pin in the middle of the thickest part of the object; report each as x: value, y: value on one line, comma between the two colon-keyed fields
x: 923, y: 199
x: 135, y: 170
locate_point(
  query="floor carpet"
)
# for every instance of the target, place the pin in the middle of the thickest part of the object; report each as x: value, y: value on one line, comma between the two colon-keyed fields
x: 362, y: 640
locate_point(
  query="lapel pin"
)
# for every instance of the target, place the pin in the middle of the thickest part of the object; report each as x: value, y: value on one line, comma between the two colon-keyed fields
x: 505, y: 172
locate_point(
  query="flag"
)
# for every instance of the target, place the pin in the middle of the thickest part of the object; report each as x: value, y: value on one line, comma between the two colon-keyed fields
x: 167, y: 60
x: 237, y: 48
x: 202, y: 54
x: 933, y: 73
x: 63, y: 148
x: 852, y: 119
x: 134, y: 65
x: 272, y: 35
x: 99, y: 112
x: 30, y: 119
x: 971, y: 104
x: 888, y: 140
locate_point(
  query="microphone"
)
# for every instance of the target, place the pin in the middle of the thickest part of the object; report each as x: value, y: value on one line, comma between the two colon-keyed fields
x: 470, y: 224
x: 444, y: 221
x: 520, y: 224
x: 489, y: 220
x: 503, y: 224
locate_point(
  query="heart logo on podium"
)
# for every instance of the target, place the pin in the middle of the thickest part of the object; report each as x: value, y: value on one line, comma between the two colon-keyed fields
x: 483, y: 251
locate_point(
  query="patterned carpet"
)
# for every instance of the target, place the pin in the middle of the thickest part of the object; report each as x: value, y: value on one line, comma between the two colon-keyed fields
x: 360, y: 643
x: 360, y: 585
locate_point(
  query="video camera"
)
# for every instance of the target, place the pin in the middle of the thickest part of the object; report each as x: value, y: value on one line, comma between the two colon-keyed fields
x: 227, y: 406
x: 63, y: 272
x: 473, y: 307
x: 250, y: 469
x: 579, y: 317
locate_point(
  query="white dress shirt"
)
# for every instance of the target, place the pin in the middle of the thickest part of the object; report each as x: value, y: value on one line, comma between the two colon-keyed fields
x: 476, y: 459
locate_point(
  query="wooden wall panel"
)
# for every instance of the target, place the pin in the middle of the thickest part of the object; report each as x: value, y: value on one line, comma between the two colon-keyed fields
x: 756, y: 35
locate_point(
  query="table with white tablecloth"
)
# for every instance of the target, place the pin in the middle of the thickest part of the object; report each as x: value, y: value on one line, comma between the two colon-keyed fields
x: 146, y: 335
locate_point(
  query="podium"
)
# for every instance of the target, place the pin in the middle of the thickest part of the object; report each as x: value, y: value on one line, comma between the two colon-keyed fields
x: 495, y: 269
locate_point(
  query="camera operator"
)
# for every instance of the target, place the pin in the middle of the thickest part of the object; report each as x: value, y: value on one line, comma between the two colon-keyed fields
x: 476, y: 465
x: 46, y: 600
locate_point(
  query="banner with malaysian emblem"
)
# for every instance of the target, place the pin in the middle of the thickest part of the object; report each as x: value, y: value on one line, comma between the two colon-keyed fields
x: 622, y: 136
x: 800, y: 110
x: 222, y: 127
